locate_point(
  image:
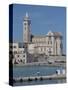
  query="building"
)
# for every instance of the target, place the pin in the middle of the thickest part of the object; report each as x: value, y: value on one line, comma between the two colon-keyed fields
x: 49, y: 44
x: 35, y: 48
x: 18, y: 53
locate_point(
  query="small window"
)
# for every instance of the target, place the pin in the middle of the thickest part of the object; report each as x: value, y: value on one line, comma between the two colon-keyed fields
x: 25, y: 24
x: 49, y: 50
x: 17, y: 55
x: 49, y: 37
x: 20, y: 60
x: 14, y: 46
x: 48, y: 42
x: 23, y: 55
x: 11, y: 47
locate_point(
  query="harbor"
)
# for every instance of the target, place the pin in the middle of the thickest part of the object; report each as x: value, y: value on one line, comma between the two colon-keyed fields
x: 35, y: 78
x: 38, y: 74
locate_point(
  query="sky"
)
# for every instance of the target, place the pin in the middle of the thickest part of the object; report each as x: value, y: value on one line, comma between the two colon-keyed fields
x: 43, y: 19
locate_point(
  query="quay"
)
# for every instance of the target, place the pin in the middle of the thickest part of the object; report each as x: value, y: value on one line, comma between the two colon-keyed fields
x: 41, y: 64
x: 35, y: 78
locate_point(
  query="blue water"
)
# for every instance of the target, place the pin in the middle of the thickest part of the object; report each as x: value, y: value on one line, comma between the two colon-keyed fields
x: 32, y: 70
x: 27, y: 71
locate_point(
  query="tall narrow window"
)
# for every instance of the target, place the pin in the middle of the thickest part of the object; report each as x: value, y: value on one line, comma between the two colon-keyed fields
x: 50, y: 41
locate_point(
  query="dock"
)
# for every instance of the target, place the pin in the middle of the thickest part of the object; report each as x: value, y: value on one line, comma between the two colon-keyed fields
x: 34, y: 78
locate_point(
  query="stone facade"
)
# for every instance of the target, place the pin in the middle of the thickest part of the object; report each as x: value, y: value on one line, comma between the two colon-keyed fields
x: 26, y: 29
x: 49, y: 44
x: 19, y: 55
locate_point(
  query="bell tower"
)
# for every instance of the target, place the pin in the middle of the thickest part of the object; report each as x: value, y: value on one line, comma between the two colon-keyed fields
x: 26, y: 29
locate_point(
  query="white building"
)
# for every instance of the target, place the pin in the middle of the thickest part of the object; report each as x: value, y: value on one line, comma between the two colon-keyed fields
x: 19, y: 54
x: 49, y: 44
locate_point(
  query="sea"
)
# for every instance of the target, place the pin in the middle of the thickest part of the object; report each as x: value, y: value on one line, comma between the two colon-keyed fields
x: 27, y: 71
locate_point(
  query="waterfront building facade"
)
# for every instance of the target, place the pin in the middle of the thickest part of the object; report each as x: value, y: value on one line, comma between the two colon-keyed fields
x: 18, y: 53
x: 35, y: 48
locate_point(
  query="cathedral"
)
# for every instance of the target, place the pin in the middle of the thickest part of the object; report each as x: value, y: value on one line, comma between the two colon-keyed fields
x: 49, y: 44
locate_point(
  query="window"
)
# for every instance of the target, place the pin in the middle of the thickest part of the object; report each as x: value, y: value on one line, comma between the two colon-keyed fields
x: 20, y: 60
x: 23, y: 55
x: 48, y: 42
x: 14, y: 46
x: 25, y: 24
x: 49, y: 37
x: 49, y: 50
x: 17, y: 55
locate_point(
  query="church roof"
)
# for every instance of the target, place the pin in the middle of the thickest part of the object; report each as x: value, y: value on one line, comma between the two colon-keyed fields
x: 57, y: 34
